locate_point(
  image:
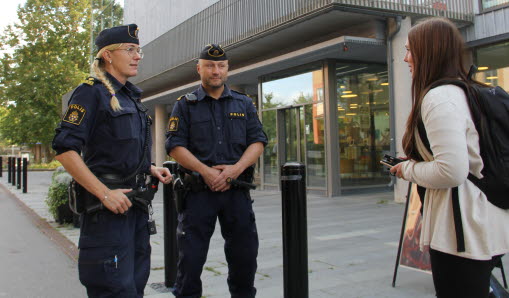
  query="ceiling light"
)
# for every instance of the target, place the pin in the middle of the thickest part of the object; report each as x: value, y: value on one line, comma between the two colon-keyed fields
x: 482, y: 68
x: 351, y: 114
x: 349, y: 95
x: 384, y: 84
x: 347, y: 92
x: 491, y: 78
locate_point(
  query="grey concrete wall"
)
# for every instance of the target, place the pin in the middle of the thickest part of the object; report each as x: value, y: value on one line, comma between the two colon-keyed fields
x: 155, y: 17
x: 402, y: 97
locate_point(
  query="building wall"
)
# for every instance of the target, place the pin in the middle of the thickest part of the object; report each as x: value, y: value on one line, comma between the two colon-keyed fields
x: 488, y: 24
x: 156, y: 17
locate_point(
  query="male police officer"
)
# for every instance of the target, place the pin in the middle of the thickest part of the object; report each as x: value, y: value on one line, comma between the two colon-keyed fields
x: 215, y: 132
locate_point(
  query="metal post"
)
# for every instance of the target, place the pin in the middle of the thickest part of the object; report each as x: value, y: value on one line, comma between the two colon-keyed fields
x: 18, y: 185
x: 170, y: 229
x: 25, y: 175
x: 1, y: 166
x: 295, y: 239
x: 13, y: 171
x: 9, y: 169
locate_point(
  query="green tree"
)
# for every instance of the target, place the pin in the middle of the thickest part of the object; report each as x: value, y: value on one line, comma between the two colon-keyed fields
x: 48, y: 57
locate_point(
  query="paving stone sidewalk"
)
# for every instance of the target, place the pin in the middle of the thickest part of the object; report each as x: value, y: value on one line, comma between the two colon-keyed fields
x: 352, y: 244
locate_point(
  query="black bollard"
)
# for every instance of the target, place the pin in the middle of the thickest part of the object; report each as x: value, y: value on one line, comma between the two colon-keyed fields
x: 25, y: 175
x: 18, y: 185
x: 9, y: 169
x: 13, y: 171
x: 295, y: 239
x: 1, y: 166
x: 170, y: 229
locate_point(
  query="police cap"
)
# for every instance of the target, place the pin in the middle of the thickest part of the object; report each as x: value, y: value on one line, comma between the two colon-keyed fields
x: 120, y: 34
x: 213, y: 52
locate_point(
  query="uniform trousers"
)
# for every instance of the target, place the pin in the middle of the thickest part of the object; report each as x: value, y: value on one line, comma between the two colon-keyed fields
x: 455, y: 276
x: 114, y: 257
x: 238, y: 227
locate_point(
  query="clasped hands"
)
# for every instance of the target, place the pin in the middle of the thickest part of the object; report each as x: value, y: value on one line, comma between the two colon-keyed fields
x: 215, y: 177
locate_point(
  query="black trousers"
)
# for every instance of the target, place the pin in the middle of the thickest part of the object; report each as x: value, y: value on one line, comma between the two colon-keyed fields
x: 455, y: 276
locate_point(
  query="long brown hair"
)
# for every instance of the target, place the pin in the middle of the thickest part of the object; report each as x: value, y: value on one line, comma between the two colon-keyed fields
x: 437, y: 49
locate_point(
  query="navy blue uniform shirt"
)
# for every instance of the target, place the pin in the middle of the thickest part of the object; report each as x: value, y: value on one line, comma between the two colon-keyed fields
x: 215, y: 131
x: 112, y: 142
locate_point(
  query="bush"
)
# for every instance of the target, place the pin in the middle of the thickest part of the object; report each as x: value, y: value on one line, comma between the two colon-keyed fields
x: 48, y: 166
x: 58, y: 194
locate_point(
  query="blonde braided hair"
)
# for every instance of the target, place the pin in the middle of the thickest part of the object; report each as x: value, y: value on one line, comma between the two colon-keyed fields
x: 98, y: 68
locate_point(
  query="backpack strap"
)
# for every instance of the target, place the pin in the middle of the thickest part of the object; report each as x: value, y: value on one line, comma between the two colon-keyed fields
x: 458, y: 226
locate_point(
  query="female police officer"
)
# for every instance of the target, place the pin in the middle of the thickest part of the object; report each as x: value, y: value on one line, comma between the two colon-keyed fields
x: 108, y: 124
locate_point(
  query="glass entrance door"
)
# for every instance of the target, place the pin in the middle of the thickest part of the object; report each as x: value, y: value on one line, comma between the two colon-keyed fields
x: 301, y: 140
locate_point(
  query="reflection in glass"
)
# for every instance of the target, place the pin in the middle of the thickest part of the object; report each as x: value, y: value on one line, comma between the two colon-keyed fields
x: 313, y: 142
x: 301, y: 99
x: 363, y: 123
x: 270, y: 161
x: 493, y: 3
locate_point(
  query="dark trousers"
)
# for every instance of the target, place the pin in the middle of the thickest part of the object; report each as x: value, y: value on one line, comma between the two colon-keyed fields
x: 455, y: 276
x: 238, y: 228
x: 114, y: 258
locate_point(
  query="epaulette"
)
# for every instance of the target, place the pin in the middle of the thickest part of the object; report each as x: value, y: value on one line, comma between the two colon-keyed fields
x: 239, y: 92
x: 91, y: 81
x: 189, y: 97
x: 242, y: 94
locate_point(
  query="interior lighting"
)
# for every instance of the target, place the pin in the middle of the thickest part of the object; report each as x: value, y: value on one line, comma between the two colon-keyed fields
x: 351, y: 114
x: 342, y: 87
x: 372, y: 79
x: 482, y: 68
x: 347, y: 92
x: 491, y: 78
x: 384, y: 84
x: 349, y: 95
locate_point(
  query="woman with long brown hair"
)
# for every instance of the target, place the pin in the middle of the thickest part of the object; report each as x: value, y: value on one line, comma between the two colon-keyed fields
x: 442, y: 160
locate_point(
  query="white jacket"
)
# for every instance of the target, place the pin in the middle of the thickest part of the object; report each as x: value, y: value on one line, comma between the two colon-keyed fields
x: 454, y: 142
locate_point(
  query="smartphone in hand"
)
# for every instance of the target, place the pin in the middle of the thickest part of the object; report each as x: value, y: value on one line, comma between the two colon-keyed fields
x: 390, y: 161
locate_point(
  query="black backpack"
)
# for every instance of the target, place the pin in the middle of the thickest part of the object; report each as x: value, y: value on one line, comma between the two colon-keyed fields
x: 489, y: 107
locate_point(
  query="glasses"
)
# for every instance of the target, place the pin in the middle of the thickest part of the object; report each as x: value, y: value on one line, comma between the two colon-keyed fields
x: 132, y: 51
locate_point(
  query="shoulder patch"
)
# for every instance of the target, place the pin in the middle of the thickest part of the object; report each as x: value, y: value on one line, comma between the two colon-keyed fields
x: 75, y: 114
x: 173, y: 124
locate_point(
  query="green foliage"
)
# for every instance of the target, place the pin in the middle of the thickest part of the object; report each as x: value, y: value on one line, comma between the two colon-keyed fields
x: 48, y: 166
x: 58, y: 191
x: 48, y: 57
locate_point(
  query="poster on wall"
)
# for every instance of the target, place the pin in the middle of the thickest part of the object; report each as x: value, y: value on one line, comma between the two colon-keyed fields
x: 411, y: 254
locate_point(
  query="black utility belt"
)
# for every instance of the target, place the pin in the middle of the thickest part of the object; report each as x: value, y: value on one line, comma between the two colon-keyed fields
x: 81, y: 201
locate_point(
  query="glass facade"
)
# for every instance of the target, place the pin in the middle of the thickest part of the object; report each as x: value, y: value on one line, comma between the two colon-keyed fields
x: 363, y: 123
x: 293, y: 119
x: 493, y: 65
x: 487, y: 4
x: 293, y: 114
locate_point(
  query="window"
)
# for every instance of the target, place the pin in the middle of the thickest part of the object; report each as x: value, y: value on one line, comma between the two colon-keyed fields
x: 489, y: 4
x: 493, y: 65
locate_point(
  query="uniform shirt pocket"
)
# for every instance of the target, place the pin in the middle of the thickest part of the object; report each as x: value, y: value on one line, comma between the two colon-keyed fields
x: 122, y: 123
x: 200, y: 131
x: 237, y: 129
